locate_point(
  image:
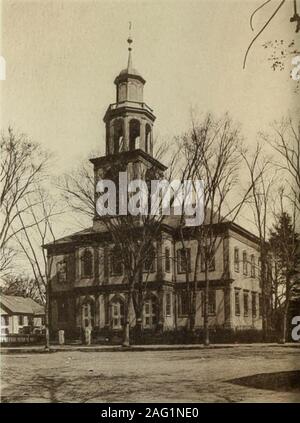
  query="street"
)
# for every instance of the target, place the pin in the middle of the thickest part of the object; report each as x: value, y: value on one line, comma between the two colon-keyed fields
x: 207, y: 375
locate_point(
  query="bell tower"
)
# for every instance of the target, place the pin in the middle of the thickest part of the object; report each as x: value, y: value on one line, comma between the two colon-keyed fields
x: 129, y: 140
x: 129, y: 121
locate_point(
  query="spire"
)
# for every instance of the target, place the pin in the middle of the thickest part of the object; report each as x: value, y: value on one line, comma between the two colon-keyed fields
x: 129, y: 41
x: 129, y: 70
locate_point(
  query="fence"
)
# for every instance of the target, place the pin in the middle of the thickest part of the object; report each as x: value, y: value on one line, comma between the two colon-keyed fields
x: 12, y: 339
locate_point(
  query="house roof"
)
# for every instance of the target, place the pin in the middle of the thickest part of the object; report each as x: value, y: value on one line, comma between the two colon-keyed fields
x: 21, y: 305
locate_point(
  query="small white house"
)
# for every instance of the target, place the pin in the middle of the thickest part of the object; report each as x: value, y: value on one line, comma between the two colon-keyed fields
x: 19, y: 314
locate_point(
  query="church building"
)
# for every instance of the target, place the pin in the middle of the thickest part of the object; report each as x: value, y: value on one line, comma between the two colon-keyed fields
x: 87, y: 282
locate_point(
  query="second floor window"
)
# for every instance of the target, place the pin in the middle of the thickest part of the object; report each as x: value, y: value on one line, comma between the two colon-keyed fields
x: 209, y: 258
x: 167, y: 260
x: 236, y: 260
x: 252, y: 266
x: 116, y: 267
x: 61, y: 270
x: 149, y: 263
x: 183, y: 260
x: 245, y: 264
x: 87, y: 264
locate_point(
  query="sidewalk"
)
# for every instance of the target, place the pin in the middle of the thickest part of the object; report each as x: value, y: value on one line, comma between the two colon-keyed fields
x: 118, y: 348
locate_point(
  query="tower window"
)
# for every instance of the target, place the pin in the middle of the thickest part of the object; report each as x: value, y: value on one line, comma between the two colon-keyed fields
x: 134, y: 134
x: 118, y: 135
x: 148, y: 138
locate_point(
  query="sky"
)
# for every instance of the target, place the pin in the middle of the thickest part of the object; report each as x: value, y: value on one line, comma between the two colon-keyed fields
x: 62, y: 57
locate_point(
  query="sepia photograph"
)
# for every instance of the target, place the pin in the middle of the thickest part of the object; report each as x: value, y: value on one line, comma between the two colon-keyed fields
x: 149, y: 204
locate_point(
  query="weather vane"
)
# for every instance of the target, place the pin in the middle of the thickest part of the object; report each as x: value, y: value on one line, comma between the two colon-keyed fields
x: 129, y: 40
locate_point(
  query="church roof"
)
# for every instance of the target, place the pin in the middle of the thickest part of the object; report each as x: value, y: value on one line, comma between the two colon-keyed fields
x: 170, y: 222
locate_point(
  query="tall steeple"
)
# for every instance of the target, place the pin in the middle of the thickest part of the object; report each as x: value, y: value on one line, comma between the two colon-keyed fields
x: 129, y: 121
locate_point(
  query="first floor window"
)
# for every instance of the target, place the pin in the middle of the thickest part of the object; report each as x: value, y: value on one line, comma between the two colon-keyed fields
x: 183, y: 303
x: 254, y: 310
x: 150, y: 313
x: 246, y: 304
x: 21, y: 320
x: 260, y: 305
x: 168, y: 304
x: 183, y: 260
x: 237, y: 302
x: 211, y: 302
x: 4, y: 320
x: 117, y: 309
x: 88, y: 313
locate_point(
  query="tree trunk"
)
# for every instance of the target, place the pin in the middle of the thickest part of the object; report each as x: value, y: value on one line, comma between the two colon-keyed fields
x: 126, y: 335
x: 206, y: 327
x: 284, y: 322
x: 47, y: 319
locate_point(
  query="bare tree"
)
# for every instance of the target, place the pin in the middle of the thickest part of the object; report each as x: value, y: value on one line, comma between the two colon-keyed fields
x: 134, y: 237
x: 262, y: 175
x: 295, y: 18
x: 24, y: 286
x: 22, y: 164
x: 285, y: 140
x: 212, y: 151
x: 36, y: 228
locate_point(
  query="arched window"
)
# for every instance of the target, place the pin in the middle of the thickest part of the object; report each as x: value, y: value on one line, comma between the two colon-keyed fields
x: 87, y: 264
x: 61, y: 271
x: 88, y: 313
x: 118, y: 135
x: 116, y: 267
x: 148, y: 138
x: 134, y: 134
x: 150, y: 312
x: 149, y: 263
x: 117, y: 313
